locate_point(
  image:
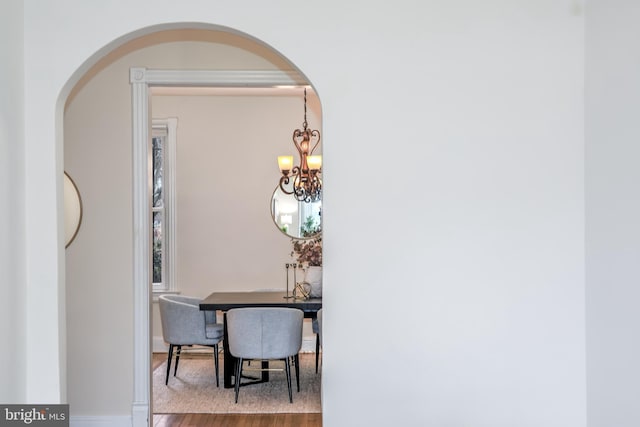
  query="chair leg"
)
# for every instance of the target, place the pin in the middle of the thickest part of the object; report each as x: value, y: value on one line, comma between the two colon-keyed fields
x: 166, y: 381
x: 175, y: 371
x: 215, y: 358
x: 296, y: 361
x: 317, y: 351
x: 287, y: 369
x: 238, y: 376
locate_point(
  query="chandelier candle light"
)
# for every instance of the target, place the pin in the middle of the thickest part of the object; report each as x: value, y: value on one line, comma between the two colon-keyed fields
x: 307, y: 185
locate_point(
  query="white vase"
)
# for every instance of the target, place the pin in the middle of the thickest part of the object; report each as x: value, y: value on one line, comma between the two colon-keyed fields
x: 313, y: 276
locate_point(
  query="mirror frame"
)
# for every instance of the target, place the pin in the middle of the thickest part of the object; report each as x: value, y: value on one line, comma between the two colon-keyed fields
x: 72, y: 210
x: 275, y: 222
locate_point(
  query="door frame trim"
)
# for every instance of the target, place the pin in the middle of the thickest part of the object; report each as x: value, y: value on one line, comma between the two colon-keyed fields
x: 142, y: 80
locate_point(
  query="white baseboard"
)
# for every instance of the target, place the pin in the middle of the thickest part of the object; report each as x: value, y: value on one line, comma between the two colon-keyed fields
x: 308, y: 344
x: 95, y: 421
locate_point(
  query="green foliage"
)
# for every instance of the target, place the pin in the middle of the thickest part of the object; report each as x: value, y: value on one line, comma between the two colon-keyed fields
x: 310, y: 227
x: 157, y: 261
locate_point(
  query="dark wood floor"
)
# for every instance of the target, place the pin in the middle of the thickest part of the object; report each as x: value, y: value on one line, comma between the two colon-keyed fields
x: 238, y: 420
x: 232, y: 420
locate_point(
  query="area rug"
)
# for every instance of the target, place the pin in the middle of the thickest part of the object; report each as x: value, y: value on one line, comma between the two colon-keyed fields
x: 193, y: 389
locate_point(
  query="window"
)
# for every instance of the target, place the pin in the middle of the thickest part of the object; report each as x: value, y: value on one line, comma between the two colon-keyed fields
x: 163, y: 205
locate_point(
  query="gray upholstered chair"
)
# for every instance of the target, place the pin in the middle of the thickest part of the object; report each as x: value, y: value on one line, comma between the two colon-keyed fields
x: 183, y: 323
x: 265, y: 333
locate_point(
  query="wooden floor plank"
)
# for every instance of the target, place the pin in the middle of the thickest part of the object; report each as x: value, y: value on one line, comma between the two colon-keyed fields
x: 237, y: 420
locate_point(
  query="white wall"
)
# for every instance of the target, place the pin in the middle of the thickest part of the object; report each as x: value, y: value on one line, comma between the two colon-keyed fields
x: 612, y: 212
x: 226, y: 173
x: 12, y: 182
x: 480, y: 105
x: 484, y: 281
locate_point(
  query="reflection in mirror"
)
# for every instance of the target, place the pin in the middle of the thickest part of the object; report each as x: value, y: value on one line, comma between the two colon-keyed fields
x: 72, y: 210
x: 299, y: 220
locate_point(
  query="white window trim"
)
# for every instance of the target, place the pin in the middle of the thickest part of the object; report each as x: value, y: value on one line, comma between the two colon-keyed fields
x: 170, y: 220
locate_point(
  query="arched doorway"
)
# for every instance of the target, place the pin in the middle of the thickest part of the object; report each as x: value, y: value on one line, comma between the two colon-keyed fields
x: 86, y: 176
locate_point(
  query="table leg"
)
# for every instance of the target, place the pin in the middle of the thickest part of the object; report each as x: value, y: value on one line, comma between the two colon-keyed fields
x: 229, y: 360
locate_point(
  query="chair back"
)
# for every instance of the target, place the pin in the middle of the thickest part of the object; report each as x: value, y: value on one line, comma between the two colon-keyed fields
x: 264, y: 332
x: 182, y: 320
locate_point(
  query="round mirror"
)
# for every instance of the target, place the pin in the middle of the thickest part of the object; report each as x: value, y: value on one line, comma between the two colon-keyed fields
x: 72, y: 210
x: 299, y: 220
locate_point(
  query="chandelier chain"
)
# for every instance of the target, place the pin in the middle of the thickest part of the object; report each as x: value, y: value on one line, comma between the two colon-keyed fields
x: 304, y: 123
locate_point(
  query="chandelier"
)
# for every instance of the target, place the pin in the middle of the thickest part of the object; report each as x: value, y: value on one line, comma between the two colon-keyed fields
x: 307, y: 185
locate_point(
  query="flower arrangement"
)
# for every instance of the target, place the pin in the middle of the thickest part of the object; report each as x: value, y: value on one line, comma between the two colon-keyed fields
x: 308, y: 252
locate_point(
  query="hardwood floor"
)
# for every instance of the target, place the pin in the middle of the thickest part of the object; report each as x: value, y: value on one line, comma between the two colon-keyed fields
x: 237, y: 420
x: 232, y: 420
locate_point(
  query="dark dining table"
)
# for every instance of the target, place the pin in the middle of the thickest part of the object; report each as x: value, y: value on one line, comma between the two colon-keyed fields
x: 225, y: 301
